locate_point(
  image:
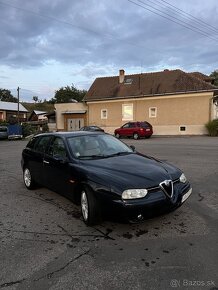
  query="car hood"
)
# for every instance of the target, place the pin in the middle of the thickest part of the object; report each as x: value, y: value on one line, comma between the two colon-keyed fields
x: 129, y: 171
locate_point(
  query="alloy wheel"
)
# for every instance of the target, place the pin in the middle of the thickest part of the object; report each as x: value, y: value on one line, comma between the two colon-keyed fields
x: 135, y: 136
x: 27, y: 177
x: 84, y: 205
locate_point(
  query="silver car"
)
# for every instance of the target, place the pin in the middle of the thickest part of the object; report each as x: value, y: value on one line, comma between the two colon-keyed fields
x: 3, y: 132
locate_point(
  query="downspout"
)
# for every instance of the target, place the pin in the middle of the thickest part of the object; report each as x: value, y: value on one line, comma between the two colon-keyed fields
x: 210, y: 109
x: 86, y: 123
x: 214, y: 105
x: 213, y: 102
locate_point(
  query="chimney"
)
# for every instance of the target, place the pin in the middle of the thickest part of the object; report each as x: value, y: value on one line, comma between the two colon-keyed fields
x: 121, y: 76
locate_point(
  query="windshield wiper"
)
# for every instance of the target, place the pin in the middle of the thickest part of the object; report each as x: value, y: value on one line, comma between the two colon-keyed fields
x: 119, y: 154
x: 92, y: 156
x: 96, y: 156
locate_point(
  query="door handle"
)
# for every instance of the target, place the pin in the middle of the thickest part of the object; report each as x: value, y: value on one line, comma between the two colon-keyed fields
x: 44, y: 161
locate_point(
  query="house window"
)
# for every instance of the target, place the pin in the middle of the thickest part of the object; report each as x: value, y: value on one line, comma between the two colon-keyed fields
x: 104, y: 114
x: 182, y: 128
x: 152, y: 112
x: 127, y: 112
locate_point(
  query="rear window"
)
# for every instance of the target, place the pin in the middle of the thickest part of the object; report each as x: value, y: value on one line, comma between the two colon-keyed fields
x: 145, y: 125
x: 39, y: 144
x: 32, y: 143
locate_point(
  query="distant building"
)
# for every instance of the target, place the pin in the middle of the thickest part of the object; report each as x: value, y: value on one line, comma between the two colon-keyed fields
x: 71, y: 116
x: 173, y: 101
x: 9, y: 112
x: 38, y: 116
x: 51, y: 121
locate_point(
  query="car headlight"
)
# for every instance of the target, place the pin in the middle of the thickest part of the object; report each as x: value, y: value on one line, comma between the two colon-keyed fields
x: 134, y: 193
x: 182, y: 178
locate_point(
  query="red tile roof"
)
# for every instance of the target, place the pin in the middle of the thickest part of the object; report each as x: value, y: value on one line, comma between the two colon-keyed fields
x: 147, y: 84
x: 201, y: 76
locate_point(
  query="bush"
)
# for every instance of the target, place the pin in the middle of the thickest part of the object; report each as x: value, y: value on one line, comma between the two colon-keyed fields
x: 28, y: 130
x: 45, y: 128
x: 3, y: 123
x: 212, y: 127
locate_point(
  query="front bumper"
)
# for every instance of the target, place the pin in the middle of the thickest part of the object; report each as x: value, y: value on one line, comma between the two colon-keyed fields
x: 154, y: 204
x: 15, y: 137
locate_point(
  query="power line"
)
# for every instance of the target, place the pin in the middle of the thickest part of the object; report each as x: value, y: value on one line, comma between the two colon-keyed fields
x: 177, y: 21
x: 185, y: 16
x: 186, y: 13
x: 183, y: 22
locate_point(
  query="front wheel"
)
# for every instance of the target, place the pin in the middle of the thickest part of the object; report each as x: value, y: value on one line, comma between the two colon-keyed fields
x: 117, y: 135
x: 27, y: 178
x: 89, y: 207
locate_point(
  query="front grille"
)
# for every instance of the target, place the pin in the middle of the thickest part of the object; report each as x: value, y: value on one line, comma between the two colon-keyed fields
x: 167, y: 187
x: 156, y: 188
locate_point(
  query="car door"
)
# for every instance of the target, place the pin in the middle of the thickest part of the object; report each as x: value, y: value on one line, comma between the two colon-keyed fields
x: 56, y: 168
x: 125, y: 130
x: 35, y: 156
x: 132, y: 129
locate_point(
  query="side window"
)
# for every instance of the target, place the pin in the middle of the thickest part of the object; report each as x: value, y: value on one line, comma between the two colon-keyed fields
x: 42, y: 143
x: 131, y: 125
x: 57, y: 148
x: 126, y: 126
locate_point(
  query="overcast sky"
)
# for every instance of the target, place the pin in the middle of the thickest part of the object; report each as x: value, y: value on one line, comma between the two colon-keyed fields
x: 47, y: 44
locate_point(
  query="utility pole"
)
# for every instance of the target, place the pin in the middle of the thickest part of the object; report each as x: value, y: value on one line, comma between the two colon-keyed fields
x: 18, y: 105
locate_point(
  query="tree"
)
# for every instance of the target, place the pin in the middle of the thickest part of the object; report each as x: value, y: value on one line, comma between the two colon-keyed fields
x: 35, y: 99
x: 68, y: 94
x: 6, y: 96
x: 214, y: 75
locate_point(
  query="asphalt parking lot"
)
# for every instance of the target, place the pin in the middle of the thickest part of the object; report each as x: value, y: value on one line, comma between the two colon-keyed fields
x: 44, y: 243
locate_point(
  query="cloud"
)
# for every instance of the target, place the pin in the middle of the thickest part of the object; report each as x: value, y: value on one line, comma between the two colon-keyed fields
x: 99, y: 37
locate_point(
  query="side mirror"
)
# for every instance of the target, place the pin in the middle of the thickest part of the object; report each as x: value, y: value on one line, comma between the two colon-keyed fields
x: 132, y: 147
x: 61, y: 159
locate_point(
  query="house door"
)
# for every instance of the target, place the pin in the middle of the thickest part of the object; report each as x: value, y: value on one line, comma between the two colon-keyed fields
x: 75, y: 124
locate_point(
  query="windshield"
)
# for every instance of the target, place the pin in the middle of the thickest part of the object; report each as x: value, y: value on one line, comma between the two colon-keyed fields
x: 97, y: 146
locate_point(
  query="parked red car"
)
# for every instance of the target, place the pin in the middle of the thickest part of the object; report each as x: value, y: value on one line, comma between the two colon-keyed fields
x: 135, y: 130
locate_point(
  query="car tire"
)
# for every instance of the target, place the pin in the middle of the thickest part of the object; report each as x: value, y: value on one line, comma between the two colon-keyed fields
x: 135, y: 136
x: 89, y: 207
x: 27, y: 178
x: 117, y: 135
